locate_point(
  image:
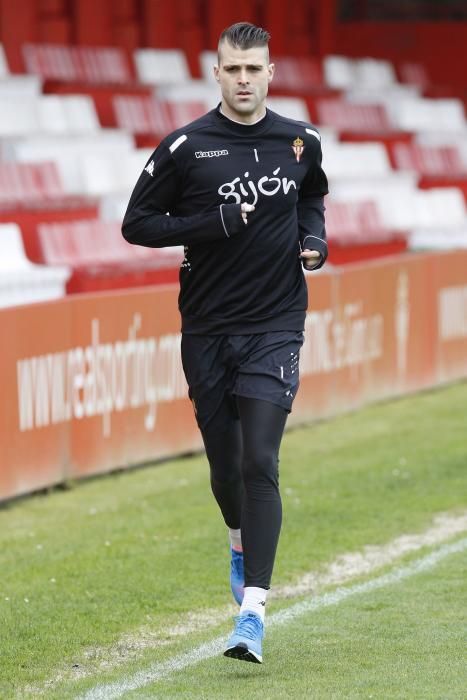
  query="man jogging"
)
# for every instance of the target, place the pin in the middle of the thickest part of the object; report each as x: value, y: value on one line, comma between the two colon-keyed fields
x: 244, y: 191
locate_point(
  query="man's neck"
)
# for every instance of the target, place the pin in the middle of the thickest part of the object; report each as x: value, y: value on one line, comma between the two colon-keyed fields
x: 248, y: 121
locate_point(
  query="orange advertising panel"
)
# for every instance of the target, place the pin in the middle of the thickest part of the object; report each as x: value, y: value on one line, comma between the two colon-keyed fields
x: 450, y: 274
x: 368, y: 335
x: 133, y: 394
x: 90, y: 384
x: 34, y: 446
x: 94, y: 382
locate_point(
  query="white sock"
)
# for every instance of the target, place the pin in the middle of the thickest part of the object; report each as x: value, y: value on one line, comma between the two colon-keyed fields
x: 254, y: 600
x: 236, y: 540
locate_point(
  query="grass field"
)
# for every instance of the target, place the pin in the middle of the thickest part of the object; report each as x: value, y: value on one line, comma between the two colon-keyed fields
x: 120, y: 581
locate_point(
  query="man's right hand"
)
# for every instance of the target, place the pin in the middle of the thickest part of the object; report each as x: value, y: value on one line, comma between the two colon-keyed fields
x: 246, y: 209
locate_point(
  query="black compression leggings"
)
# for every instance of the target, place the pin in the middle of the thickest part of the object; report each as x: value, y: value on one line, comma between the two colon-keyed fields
x: 244, y: 463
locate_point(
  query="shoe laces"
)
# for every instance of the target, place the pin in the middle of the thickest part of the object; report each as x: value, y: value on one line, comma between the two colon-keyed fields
x: 249, y: 625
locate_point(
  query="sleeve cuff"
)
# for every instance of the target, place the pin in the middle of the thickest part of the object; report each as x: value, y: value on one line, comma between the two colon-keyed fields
x: 315, y: 243
x: 231, y: 217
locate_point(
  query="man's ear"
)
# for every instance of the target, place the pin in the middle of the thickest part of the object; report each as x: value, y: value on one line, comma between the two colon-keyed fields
x: 271, y: 69
x: 216, y: 73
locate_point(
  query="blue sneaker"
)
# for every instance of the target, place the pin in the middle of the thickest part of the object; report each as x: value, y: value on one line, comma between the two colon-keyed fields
x: 246, y: 641
x: 237, y: 578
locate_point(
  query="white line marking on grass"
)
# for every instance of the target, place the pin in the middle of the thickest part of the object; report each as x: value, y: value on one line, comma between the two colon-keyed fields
x: 373, y: 557
x: 337, y: 573
x: 162, y: 670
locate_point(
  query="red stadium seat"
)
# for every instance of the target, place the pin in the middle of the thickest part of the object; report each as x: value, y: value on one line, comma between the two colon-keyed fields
x: 29, y: 184
x: 146, y: 115
x: 348, y: 116
x: 413, y: 73
x: 101, y: 258
x: 428, y: 160
x: 78, y: 63
x: 356, y: 232
x: 297, y: 74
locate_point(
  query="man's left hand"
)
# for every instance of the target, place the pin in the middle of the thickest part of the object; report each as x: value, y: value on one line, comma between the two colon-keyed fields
x: 310, y: 258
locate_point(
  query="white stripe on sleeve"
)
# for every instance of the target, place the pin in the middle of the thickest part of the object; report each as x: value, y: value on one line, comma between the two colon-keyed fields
x: 178, y: 142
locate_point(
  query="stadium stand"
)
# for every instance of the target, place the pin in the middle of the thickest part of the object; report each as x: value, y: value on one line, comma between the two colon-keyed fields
x: 21, y: 281
x: 77, y: 127
x: 93, y: 71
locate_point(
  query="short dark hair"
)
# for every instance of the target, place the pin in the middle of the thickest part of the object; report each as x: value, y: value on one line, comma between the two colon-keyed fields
x: 244, y: 35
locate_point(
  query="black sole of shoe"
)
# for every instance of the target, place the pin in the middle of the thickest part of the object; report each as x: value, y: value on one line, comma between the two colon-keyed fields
x: 242, y: 654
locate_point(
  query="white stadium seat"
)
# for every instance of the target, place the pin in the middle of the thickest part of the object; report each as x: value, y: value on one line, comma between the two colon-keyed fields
x: 14, y: 86
x: 376, y: 74
x: 423, y: 114
x: 191, y: 91
x: 342, y: 73
x: 292, y: 107
x: 356, y: 160
x: 441, y: 220
x: 339, y: 72
x: 21, y: 281
x: 389, y: 96
x: 105, y: 174
x: 161, y: 66
x: 208, y: 59
x: 438, y: 239
x: 66, y: 153
x: 112, y: 207
x: 18, y: 116
x: 403, y: 207
x: 392, y: 193
x: 60, y: 114
x: 70, y: 114
x: 4, y: 70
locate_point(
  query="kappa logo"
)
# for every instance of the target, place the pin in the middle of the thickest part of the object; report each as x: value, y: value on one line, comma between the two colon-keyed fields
x: 150, y: 168
x: 211, y: 154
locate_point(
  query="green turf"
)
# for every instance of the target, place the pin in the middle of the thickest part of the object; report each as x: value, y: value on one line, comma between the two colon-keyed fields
x: 392, y: 643
x: 132, y: 552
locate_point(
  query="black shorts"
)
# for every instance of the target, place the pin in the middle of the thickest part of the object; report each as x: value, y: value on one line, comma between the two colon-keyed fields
x: 220, y: 367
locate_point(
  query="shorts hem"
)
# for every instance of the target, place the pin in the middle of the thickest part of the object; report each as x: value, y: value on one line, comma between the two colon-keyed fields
x: 245, y: 395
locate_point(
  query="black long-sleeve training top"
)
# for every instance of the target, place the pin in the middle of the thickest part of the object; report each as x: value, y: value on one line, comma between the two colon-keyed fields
x: 236, y: 278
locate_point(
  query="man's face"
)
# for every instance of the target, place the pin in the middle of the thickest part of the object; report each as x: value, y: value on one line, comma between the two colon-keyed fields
x: 244, y: 76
